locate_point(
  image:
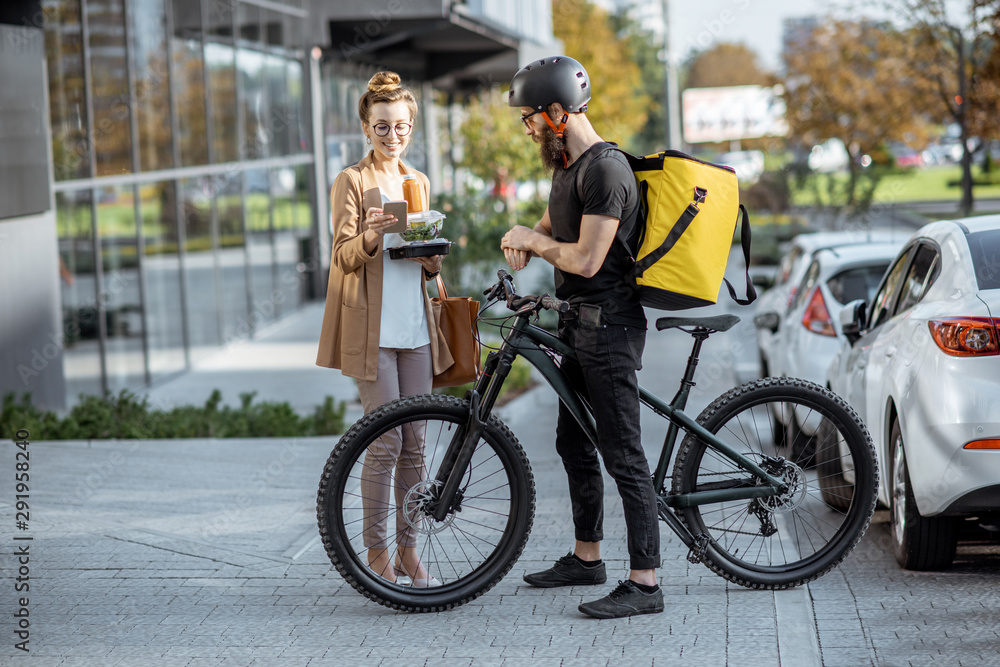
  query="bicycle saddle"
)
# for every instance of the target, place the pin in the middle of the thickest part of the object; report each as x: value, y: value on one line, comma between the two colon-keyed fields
x: 712, y: 324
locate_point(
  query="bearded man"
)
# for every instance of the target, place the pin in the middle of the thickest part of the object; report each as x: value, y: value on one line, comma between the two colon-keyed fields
x: 593, y: 201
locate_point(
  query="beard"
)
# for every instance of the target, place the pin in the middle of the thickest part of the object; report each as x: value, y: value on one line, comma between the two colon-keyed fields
x: 551, y: 148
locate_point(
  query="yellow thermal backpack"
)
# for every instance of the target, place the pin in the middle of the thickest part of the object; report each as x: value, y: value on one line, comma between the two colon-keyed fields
x: 688, y: 214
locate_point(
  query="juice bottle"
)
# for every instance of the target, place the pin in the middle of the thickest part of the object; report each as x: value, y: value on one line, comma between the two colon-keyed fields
x: 413, y: 194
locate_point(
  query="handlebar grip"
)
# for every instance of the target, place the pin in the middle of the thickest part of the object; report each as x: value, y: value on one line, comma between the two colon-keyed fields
x: 555, y: 304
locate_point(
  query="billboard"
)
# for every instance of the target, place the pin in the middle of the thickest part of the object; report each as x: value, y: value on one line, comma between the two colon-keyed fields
x: 733, y: 112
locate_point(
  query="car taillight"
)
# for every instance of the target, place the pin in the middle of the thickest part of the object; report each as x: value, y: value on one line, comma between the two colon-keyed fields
x: 817, y: 317
x: 983, y: 444
x: 965, y: 336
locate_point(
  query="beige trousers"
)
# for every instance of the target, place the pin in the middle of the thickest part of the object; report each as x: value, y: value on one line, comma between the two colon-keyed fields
x: 395, y: 462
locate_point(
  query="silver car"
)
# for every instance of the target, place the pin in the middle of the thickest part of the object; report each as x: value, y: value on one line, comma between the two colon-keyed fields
x: 921, y: 364
x: 809, y: 334
x: 773, y: 303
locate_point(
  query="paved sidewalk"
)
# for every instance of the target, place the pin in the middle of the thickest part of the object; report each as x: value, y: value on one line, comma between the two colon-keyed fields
x: 205, y: 552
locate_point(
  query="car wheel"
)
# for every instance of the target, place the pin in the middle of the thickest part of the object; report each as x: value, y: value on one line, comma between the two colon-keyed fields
x: 918, y: 542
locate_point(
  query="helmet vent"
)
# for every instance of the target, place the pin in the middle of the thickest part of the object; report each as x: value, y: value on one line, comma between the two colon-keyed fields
x: 579, y: 75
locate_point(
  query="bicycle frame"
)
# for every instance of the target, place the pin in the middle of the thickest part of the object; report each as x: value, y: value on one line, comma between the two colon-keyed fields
x: 536, y: 345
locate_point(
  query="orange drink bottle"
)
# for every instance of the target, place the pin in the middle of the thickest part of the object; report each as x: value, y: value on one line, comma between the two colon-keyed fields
x: 413, y: 194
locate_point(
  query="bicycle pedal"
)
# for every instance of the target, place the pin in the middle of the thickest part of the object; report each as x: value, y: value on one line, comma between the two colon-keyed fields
x: 697, y: 552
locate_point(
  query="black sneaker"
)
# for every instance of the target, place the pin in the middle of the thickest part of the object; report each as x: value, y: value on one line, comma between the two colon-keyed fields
x: 625, y: 600
x: 568, y: 571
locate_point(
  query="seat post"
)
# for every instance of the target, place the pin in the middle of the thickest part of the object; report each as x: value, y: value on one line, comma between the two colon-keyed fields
x: 700, y: 336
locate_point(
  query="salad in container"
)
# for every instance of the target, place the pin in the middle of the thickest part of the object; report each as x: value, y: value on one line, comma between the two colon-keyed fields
x: 420, y: 238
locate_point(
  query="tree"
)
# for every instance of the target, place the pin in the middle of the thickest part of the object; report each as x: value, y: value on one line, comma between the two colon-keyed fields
x: 621, y: 99
x: 644, y: 49
x: 853, y: 81
x: 948, y: 58
x: 726, y: 64
x: 494, y: 145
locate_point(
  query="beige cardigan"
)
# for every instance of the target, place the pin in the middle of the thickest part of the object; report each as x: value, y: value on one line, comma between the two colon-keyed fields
x: 350, y: 334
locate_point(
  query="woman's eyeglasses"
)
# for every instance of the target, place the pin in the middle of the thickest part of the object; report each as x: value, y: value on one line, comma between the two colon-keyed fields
x: 402, y: 129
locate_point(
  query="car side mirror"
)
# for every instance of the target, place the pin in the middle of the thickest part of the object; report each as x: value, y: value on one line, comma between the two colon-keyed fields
x: 768, y: 320
x: 762, y: 281
x: 853, y: 319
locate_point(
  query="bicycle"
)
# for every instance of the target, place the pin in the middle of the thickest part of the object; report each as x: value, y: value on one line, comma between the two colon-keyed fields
x: 749, y: 514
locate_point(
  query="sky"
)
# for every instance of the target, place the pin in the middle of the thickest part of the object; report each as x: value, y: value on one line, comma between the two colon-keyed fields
x: 756, y: 23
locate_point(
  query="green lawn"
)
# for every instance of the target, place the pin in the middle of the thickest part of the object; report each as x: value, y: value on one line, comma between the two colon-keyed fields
x: 917, y: 185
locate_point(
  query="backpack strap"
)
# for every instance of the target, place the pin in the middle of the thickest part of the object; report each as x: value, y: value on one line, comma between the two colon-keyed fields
x: 745, y: 244
x: 611, y: 146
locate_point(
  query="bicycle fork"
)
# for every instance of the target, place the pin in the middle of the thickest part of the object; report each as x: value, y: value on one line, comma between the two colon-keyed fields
x: 456, y: 460
x: 447, y: 497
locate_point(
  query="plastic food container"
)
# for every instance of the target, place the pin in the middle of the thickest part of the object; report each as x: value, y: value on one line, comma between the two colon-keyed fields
x: 420, y: 249
x: 423, y: 226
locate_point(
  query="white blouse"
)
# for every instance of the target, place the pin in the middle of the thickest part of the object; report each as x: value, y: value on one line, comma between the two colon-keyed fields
x: 404, y: 319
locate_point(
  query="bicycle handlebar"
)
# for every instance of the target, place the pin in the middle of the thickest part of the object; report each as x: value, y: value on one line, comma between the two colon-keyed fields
x: 523, y: 304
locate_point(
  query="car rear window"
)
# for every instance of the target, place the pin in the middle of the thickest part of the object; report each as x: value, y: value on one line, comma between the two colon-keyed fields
x: 857, y: 283
x: 985, y: 248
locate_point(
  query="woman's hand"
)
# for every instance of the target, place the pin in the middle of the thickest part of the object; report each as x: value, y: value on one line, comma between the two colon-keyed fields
x: 431, y: 264
x: 376, y: 222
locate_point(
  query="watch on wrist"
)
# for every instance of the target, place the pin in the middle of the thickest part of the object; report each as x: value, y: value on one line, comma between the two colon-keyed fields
x: 428, y: 275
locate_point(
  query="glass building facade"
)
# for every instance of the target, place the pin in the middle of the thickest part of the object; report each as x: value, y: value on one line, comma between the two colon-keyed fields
x: 183, y: 179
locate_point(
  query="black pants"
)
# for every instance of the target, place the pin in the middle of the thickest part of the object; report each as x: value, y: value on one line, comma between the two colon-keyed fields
x: 609, y: 356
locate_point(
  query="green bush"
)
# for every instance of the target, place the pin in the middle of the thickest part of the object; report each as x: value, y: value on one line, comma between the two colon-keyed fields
x: 126, y: 416
x: 518, y: 381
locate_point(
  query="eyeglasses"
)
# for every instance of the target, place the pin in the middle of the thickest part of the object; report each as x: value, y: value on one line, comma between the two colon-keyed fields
x: 402, y: 129
x: 524, y: 119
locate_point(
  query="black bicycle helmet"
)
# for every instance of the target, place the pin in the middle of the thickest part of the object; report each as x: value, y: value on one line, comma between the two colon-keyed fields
x: 555, y: 79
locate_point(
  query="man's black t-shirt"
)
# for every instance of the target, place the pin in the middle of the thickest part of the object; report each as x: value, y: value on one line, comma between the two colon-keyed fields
x: 607, y: 188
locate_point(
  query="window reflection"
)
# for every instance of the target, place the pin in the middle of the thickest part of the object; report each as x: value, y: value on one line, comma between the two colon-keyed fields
x: 161, y: 270
x: 232, y: 259
x: 260, y: 246
x: 82, y: 358
x: 67, y: 102
x: 256, y: 138
x: 112, y: 138
x: 189, y: 70
x: 201, y: 273
x: 221, y: 61
x: 124, y: 360
x: 292, y: 243
x: 151, y: 92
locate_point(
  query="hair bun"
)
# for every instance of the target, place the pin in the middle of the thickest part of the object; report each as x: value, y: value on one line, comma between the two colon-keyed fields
x: 384, y: 82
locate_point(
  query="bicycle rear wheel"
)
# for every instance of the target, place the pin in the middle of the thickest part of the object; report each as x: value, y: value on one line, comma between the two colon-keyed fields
x: 787, y: 540
x: 471, y: 549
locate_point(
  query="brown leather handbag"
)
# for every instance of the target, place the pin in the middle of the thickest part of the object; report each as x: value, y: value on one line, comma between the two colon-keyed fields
x: 457, y: 323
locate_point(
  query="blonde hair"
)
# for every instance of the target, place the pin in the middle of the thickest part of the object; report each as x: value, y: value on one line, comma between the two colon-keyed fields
x: 385, y: 87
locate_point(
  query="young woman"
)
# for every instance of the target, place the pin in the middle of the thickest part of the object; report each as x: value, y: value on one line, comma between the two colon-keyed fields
x: 378, y: 327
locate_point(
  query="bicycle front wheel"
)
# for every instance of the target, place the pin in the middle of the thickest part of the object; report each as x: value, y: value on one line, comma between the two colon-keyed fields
x: 789, y: 539
x: 373, y: 492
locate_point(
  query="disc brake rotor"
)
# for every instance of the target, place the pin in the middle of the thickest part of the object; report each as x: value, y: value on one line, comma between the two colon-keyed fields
x: 416, y: 500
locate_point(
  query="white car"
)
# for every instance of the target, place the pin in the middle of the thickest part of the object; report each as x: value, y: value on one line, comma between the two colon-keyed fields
x: 921, y: 365
x: 773, y: 303
x: 809, y: 334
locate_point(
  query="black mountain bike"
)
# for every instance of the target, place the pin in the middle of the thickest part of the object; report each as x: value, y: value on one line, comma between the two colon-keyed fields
x: 752, y: 515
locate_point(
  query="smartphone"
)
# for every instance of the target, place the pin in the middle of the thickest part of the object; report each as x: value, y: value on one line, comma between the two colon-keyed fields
x: 398, y: 209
